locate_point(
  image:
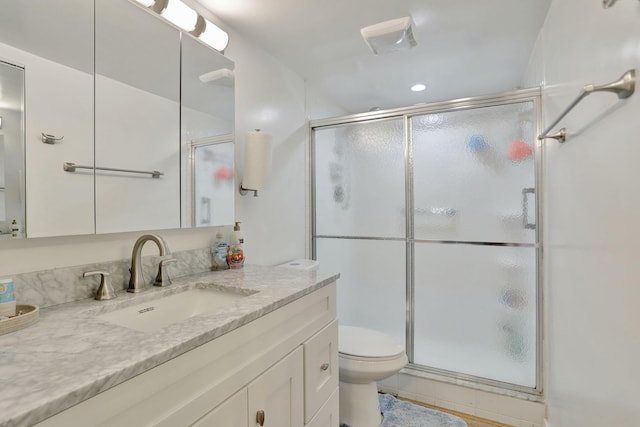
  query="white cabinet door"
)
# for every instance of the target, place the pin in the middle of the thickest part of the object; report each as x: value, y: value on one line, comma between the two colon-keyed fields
x: 320, y: 368
x: 276, y: 397
x: 231, y: 413
x: 329, y: 414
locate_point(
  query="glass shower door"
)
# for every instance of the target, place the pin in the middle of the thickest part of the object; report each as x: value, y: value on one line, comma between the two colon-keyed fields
x: 360, y: 228
x: 475, y: 242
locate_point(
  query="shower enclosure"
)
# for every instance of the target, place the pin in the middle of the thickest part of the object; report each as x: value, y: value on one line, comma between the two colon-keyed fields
x: 430, y: 214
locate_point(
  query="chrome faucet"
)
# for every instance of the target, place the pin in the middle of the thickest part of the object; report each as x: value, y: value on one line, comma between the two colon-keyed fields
x: 136, y: 282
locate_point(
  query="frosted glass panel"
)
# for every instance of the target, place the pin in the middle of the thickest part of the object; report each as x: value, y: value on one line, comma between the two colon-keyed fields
x: 475, y: 310
x: 371, y: 289
x: 214, y: 187
x: 474, y: 174
x: 360, y: 180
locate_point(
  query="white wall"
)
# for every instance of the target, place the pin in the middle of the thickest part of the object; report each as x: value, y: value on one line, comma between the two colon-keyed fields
x: 592, y: 206
x: 271, y: 97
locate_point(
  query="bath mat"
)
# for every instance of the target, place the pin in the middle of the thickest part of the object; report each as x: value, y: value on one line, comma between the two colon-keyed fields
x: 398, y: 413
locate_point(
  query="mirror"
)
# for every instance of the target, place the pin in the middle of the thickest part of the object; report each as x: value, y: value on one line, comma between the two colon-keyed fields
x: 137, y: 119
x: 207, y: 110
x: 57, y: 56
x: 11, y: 151
x: 136, y: 112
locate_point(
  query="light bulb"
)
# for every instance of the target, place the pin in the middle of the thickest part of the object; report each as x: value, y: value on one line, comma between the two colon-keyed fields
x: 146, y: 3
x: 180, y: 14
x: 214, y: 36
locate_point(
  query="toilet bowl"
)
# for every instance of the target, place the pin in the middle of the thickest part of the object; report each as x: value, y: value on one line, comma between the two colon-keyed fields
x: 365, y: 356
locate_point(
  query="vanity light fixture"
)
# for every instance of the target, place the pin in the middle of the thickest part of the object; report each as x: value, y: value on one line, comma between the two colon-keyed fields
x: 181, y: 15
x: 146, y: 3
x: 178, y: 13
x: 419, y: 87
x: 214, y: 36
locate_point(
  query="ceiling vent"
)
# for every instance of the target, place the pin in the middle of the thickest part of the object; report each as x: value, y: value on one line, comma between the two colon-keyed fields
x: 390, y: 36
x: 221, y: 77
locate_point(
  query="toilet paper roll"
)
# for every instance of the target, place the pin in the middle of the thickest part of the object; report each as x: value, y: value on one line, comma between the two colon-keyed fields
x: 257, y: 161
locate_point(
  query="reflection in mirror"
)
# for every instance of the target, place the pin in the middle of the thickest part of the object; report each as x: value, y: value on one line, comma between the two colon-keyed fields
x: 53, y: 41
x: 12, y: 208
x: 207, y: 127
x: 212, y: 180
x: 137, y: 103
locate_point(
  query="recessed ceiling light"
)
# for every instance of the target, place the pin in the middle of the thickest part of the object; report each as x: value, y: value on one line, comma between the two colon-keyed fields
x: 418, y: 87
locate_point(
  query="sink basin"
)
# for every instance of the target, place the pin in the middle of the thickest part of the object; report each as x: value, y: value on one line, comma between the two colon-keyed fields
x: 163, y: 311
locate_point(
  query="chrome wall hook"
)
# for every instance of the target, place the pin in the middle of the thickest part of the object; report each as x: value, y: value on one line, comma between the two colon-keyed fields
x: 50, y: 139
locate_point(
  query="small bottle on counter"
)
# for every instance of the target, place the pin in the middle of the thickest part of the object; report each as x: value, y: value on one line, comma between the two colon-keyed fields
x: 16, y: 229
x: 219, y: 251
x: 235, y: 256
x: 7, y: 298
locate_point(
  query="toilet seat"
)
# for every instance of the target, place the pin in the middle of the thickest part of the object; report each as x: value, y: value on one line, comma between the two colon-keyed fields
x: 365, y: 344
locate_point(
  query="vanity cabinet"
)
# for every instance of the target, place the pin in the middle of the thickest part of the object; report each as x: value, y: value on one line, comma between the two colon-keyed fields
x: 231, y: 413
x: 280, y: 369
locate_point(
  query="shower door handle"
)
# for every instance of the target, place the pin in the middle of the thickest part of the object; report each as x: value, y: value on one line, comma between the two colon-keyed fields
x: 525, y: 208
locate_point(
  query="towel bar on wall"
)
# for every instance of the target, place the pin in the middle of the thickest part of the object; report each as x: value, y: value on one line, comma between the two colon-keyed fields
x: 71, y: 167
x: 623, y: 87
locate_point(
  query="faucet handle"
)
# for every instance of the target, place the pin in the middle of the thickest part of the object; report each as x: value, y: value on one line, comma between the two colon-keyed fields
x: 105, y: 290
x: 163, y: 279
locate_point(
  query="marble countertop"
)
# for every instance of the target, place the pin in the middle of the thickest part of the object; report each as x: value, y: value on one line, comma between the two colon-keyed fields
x: 70, y: 355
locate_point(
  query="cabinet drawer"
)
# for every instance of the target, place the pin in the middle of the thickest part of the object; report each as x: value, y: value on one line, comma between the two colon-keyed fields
x: 320, y: 368
x: 231, y: 413
x: 329, y: 414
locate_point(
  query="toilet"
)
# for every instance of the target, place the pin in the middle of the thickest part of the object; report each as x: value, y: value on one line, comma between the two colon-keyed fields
x: 365, y: 356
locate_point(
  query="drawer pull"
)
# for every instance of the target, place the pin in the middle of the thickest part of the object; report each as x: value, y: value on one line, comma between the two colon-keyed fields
x: 260, y: 417
x: 324, y: 366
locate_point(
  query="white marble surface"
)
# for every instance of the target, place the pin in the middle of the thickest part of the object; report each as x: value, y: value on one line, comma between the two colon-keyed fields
x: 70, y: 355
x: 61, y: 285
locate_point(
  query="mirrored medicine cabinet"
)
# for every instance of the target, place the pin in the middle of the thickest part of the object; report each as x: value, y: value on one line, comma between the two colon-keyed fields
x: 112, y: 120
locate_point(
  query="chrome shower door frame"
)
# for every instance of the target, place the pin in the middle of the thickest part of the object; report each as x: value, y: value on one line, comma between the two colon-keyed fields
x: 527, y: 95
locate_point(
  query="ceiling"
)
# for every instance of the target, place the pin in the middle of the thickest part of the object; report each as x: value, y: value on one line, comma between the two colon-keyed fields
x: 465, y: 47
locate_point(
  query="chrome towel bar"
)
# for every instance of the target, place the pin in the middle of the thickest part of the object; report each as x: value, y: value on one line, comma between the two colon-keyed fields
x: 623, y: 87
x: 71, y: 167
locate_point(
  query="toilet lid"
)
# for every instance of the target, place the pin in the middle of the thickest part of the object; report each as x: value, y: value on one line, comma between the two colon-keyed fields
x: 362, y: 342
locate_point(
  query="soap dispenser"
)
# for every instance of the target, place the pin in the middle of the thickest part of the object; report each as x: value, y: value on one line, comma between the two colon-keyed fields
x: 235, y: 256
x: 219, y: 251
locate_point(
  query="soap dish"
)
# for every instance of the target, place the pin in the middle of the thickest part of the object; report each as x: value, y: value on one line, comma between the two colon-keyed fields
x: 26, y: 315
